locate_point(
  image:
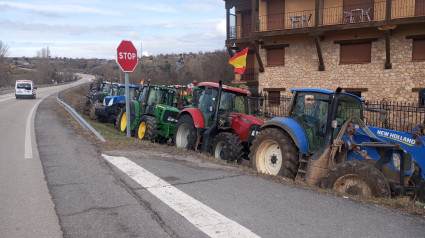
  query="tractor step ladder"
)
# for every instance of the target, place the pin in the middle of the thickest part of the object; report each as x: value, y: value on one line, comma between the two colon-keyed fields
x: 302, y: 167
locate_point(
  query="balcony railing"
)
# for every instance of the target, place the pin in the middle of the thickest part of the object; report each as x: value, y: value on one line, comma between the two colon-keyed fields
x: 338, y: 15
x: 251, y: 74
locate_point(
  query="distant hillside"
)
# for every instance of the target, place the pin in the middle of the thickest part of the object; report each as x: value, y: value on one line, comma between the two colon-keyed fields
x: 168, y: 69
x: 175, y: 68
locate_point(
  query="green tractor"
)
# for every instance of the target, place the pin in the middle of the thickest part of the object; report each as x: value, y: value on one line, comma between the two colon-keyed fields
x: 152, y: 115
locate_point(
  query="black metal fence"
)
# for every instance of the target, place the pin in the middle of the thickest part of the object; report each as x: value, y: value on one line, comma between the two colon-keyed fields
x: 397, y: 116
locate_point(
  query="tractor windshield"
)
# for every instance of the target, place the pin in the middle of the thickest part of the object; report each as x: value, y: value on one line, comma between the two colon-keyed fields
x: 106, y: 88
x: 310, y: 110
x: 121, y: 92
x: 158, y: 96
x: 348, y: 106
x: 233, y: 102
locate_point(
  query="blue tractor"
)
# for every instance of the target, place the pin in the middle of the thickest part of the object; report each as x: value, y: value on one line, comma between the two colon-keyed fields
x: 323, y: 141
x: 112, y: 105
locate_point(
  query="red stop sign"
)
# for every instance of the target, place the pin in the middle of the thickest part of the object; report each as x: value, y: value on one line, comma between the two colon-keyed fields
x: 127, y: 56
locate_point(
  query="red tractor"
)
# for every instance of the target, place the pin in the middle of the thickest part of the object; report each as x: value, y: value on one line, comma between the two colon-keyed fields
x: 217, y: 122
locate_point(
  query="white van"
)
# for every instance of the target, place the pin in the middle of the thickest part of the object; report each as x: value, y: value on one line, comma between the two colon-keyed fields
x: 25, y: 89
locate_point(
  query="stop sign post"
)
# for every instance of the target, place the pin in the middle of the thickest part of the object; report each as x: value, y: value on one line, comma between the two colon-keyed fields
x: 127, y: 60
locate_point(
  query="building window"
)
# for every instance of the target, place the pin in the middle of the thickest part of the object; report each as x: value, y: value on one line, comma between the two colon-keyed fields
x: 418, y: 49
x: 357, y: 93
x: 275, y: 57
x: 355, y: 53
x: 274, y: 97
x: 422, y: 98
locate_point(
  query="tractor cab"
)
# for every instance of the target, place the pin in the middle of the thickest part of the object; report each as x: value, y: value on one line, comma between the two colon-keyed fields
x: 152, y: 95
x: 232, y: 100
x: 311, y: 109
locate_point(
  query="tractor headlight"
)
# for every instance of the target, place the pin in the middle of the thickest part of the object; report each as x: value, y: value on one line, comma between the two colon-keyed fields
x: 254, y: 133
x: 396, y: 160
x: 171, y: 119
x: 111, y: 102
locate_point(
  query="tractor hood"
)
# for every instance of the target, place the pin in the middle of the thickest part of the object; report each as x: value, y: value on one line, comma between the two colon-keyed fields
x: 410, y: 142
x: 249, y: 119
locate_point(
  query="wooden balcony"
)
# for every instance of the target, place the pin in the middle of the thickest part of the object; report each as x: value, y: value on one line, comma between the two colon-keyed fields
x: 339, y: 17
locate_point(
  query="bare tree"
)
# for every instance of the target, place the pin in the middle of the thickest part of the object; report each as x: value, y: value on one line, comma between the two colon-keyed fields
x: 46, y: 70
x: 4, y: 77
x: 44, y: 53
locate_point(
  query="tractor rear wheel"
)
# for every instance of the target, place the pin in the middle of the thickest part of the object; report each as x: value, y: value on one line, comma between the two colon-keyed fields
x: 185, y: 133
x: 121, y: 122
x: 227, y: 146
x: 92, y: 114
x: 83, y: 105
x: 357, y: 178
x: 273, y: 152
x: 146, y: 128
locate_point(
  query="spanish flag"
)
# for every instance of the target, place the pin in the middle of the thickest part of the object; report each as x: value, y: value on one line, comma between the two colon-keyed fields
x: 239, y: 61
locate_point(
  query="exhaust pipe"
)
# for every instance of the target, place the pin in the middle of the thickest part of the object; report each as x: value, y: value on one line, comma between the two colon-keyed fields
x: 317, y: 166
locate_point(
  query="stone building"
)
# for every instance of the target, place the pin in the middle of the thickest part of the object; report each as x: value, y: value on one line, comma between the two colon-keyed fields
x: 372, y: 48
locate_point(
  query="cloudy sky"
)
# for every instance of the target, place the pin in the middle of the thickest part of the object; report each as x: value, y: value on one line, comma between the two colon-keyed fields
x: 94, y: 28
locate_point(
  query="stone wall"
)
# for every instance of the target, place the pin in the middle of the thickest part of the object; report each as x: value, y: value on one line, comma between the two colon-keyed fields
x: 301, y: 70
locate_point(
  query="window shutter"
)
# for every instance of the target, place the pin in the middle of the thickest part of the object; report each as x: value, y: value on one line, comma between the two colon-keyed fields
x: 418, y: 49
x: 275, y: 57
x: 355, y: 53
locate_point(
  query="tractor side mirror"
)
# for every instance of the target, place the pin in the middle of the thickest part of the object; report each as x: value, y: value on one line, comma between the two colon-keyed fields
x: 309, y: 101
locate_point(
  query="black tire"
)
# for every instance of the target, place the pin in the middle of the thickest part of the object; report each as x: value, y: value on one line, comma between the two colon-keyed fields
x: 185, y: 133
x: 227, y: 146
x: 92, y: 114
x: 146, y: 128
x: 83, y: 105
x: 121, y: 128
x: 274, y: 152
x: 357, y: 178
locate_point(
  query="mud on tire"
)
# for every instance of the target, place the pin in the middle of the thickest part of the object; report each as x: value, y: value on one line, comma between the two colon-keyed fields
x: 274, y: 152
x: 185, y: 133
x: 93, y: 111
x: 356, y: 178
x: 146, y: 128
x: 118, y: 125
x: 227, y: 146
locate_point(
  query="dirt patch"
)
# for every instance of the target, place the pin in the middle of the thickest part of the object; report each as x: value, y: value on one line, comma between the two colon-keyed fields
x: 118, y: 143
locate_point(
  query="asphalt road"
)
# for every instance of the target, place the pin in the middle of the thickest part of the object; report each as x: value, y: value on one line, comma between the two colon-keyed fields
x: 66, y: 186
x: 26, y: 206
x: 167, y: 192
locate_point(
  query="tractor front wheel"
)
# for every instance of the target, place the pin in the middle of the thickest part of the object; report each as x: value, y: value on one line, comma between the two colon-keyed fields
x: 273, y: 152
x: 227, y: 146
x: 93, y: 111
x: 185, y: 133
x: 357, y: 178
x: 146, y: 128
x: 121, y: 122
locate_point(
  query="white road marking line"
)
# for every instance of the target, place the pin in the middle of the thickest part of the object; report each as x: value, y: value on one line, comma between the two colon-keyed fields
x: 7, y: 98
x: 28, y: 144
x: 201, y: 216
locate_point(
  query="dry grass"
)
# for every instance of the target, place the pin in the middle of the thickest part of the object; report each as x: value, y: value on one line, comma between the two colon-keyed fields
x: 116, y: 140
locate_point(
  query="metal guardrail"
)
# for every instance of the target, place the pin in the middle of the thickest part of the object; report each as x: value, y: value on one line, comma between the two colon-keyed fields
x: 80, y: 119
